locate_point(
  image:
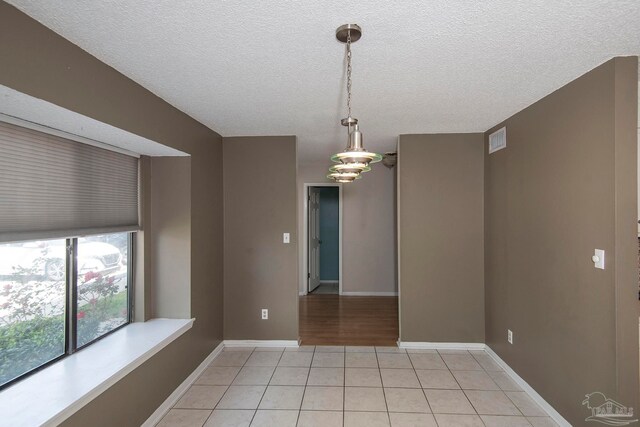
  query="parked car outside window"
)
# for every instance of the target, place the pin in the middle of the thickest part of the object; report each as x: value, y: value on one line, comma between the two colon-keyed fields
x: 49, y: 257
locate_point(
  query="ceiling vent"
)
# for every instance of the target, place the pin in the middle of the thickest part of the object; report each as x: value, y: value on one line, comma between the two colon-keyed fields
x: 498, y: 140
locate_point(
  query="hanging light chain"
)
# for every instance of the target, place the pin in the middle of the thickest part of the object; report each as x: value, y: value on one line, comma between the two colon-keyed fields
x: 349, y: 73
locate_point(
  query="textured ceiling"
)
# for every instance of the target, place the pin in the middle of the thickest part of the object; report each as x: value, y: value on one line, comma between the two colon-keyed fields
x: 274, y: 67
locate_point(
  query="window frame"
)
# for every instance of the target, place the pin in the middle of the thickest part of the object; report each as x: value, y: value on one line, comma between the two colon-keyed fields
x: 71, y: 306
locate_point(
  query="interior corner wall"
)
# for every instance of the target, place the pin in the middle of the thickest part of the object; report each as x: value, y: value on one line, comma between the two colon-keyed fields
x: 440, y: 238
x: 260, y: 271
x: 40, y: 63
x: 565, y: 185
x: 368, y: 224
x: 170, y: 183
x: 143, y: 271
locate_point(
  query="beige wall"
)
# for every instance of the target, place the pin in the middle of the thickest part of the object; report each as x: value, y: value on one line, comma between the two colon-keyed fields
x: 38, y: 62
x: 368, y: 222
x: 565, y: 185
x: 638, y: 158
x: 144, y: 271
x: 260, y: 270
x: 170, y: 183
x: 440, y: 229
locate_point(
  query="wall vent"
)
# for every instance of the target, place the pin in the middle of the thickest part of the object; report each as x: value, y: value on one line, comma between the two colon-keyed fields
x: 498, y: 140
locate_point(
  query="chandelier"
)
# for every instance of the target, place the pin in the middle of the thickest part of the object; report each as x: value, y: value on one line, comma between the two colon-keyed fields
x: 355, y: 159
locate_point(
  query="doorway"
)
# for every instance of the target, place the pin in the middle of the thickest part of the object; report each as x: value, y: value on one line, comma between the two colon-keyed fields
x: 357, y: 315
x: 323, y: 239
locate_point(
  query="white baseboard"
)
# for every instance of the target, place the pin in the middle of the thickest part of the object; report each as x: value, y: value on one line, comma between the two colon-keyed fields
x: 370, y: 294
x: 555, y: 415
x: 182, y: 388
x: 326, y: 282
x: 260, y: 343
x: 441, y: 345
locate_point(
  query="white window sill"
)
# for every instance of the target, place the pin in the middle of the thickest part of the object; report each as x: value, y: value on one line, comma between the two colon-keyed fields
x: 52, y: 395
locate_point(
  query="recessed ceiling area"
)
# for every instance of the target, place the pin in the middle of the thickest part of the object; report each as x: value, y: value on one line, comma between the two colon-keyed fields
x: 275, y: 67
x: 25, y: 110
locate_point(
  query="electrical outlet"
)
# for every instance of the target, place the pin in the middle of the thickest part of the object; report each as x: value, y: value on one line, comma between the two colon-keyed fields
x: 509, y: 336
x: 265, y: 314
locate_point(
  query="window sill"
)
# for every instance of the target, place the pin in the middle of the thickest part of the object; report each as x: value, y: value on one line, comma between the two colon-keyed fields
x: 52, y: 395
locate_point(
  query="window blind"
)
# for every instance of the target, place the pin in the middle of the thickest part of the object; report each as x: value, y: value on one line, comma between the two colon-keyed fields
x: 53, y: 187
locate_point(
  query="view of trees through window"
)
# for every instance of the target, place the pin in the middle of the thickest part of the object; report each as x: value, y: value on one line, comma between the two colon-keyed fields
x: 34, y: 289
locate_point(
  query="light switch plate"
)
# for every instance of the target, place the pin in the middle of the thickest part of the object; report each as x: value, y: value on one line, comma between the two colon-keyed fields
x: 598, y: 259
x: 286, y: 238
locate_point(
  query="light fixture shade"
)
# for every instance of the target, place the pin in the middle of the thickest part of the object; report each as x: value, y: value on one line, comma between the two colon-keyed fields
x: 345, y: 180
x: 350, y: 167
x: 344, y: 175
x: 355, y: 152
x: 356, y: 157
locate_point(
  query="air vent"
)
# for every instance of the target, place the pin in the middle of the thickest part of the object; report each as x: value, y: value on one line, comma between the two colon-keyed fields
x: 498, y: 140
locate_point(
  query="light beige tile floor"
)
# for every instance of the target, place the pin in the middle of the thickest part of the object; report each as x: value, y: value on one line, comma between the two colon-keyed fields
x: 336, y: 386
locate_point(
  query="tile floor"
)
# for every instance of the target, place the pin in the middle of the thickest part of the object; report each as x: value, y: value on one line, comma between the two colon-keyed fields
x: 354, y: 386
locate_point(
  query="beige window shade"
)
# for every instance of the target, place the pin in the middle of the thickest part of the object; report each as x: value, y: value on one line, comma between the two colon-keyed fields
x: 54, y: 187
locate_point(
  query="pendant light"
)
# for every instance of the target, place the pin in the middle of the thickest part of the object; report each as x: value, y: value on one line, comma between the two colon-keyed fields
x: 355, y: 159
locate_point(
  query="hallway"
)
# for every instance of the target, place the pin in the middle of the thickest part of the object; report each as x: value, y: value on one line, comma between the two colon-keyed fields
x: 348, y: 320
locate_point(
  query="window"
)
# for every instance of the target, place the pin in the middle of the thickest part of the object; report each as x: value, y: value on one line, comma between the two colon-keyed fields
x: 57, y: 296
x: 102, y: 284
x: 32, y: 306
x: 58, y: 292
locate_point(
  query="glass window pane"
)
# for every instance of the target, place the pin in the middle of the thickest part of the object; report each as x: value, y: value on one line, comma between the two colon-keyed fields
x: 102, y: 285
x: 32, y: 305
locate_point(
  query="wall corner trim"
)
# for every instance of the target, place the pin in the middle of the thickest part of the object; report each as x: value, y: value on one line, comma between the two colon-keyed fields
x: 555, y: 415
x: 181, y: 389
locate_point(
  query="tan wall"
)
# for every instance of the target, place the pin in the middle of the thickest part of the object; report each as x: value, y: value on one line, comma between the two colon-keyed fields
x: 260, y: 271
x: 170, y: 183
x: 368, y: 228
x: 565, y: 185
x: 38, y: 62
x: 144, y: 271
x: 440, y: 229
x: 638, y: 158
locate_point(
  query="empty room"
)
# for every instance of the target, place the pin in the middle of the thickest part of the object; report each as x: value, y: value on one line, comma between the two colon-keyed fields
x: 317, y: 213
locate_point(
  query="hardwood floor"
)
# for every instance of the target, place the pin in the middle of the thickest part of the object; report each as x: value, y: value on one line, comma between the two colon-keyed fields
x: 348, y: 320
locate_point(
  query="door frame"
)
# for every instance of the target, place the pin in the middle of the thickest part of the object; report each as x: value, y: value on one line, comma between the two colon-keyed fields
x: 305, y: 234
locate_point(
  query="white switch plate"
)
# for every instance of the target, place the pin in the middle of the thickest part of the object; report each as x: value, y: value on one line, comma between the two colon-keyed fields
x: 598, y: 259
x: 509, y: 336
x: 265, y: 314
x: 286, y: 238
